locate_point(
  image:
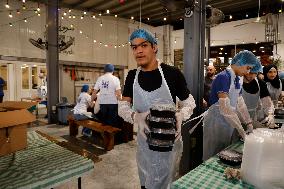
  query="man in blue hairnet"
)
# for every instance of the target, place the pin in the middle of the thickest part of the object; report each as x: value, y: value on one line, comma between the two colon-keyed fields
x: 110, y: 92
x: 258, y: 100
x: 153, y: 82
x: 228, y: 108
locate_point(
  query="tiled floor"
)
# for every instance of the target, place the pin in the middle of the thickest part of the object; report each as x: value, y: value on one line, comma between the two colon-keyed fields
x: 117, y: 170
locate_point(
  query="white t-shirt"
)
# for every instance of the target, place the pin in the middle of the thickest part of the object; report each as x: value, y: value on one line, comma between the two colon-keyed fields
x: 107, y: 84
x: 83, y: 102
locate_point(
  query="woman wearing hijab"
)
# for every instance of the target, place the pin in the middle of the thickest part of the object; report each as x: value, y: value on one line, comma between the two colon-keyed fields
x: 274, y: 84
x: 227, y: 105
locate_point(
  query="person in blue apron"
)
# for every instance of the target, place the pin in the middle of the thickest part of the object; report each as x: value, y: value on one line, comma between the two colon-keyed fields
x: 154, y: 83
x: 258, y: 100
x: 274, y: 84
x: 226, y: 102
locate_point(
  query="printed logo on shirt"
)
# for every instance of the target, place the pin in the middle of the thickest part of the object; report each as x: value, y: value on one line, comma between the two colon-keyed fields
x: 105, y: 84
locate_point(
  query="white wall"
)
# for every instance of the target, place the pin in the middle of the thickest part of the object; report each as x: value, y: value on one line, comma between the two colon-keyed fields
x: 115, y: 31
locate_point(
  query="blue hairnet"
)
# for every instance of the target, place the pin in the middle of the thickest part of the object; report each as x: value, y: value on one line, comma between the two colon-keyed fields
x: 257, y: 68
x: 85, y: 88
x: 144, y: 34
x: 109, y: 68
x: 244, y: 58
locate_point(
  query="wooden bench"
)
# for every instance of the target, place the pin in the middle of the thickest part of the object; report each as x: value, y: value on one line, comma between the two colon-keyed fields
x: 106, y: 131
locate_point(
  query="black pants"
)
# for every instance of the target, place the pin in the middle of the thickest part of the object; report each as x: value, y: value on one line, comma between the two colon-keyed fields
x: 1, y: 99
x: 109, y: 114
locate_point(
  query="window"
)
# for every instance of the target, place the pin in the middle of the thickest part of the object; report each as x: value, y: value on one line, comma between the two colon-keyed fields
x: 25, y: 77
x: 34, y: 77
x: 4, y: 74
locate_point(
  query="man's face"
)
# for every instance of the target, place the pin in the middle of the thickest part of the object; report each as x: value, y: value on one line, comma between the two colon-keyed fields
x: 250, y: 76
x: 210, y: 71
x: 144, y: 53
x: 272, y: 73
x: 242, y: 70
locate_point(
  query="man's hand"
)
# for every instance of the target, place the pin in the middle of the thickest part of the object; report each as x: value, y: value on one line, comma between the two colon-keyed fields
x: 269, y: 121
x: 140, y: 119
x: 249, y: 128
x: 179, y: 118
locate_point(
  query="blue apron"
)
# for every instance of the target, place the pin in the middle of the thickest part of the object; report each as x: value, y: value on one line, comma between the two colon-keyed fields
x: 156, y: 169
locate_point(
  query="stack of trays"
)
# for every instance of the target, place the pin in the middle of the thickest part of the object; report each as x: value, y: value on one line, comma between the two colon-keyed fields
x: 162, y: 125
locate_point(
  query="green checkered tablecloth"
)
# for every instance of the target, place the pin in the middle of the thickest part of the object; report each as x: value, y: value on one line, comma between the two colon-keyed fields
x: 43, y: 164
x: 210, y: 175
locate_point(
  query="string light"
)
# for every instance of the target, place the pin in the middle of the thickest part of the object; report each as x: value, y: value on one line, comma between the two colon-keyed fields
x: 132, y: 17
x: 62, y: 17
x: 7, y: 5
x: 107, y: 11
x: 231, y: 16
x: 69, y: 10
x: 85, y: 12
x: 18, y: 11
x: 100, y: 14
x: 148, y: 18
x: 74, y: 16
x: 82, y: 17
x: 165, y: 18
x: 24, y: 6
x: 175, y: 41
x: 10, y: 15
x: 101, y: 24
x: 23, y: 1
x: 115, y: 16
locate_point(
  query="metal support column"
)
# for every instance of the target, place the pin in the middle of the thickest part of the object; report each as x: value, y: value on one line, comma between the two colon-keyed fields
x: 52, y: 60
x: 208, y: 43
x: 194, y: 48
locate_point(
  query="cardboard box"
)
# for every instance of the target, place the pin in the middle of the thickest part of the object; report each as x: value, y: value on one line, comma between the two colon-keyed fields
x: 13, y: 126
